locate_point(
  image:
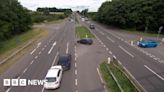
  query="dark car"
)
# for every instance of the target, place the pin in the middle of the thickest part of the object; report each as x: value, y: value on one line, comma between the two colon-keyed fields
x: 148, y: 43
x: 85, y: 41
x: 91, y: 26
x: 65, y: 61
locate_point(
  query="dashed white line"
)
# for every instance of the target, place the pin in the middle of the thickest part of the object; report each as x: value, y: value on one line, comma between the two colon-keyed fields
x: 33, y: 51
x: 75, y: 72
x: 55, y: 59
x: 45, y: 46
x: 75, y: 65
x: 53, y: 45
x: 67, y: 48
x: 102, y: 33
x: 42, y: 49
x: 110, y: 39
x: 36, y: 57
x: 110, y: 52
x: 107, y: 49
x: 42, y: 89
x: 154, y: 72
x: 40, y: 52
x: 76, y: 83
x: 126, y: 51
x: 25, y: 70
x: 32, y: 61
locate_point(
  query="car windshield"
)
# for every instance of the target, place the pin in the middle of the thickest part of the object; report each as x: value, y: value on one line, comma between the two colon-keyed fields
x: 51, y: 79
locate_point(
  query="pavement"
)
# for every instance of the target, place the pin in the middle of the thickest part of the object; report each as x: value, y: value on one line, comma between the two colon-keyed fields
x: 147, y: 71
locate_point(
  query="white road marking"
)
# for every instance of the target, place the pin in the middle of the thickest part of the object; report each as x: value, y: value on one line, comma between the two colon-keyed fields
x: 102, y: 33
x: 110, y: 52
x: 104, y: 46
x: 75, y: 72
x: 42, y: 49
x: 25, y: 70
x: 55, y: 59
x: 53, y: 45
x: 126, y: 51
x: 76, y: 83
x: 107, y: 49
x: 39, y: 44
x: 75, y: 65
x: 40, y: 52
x: 32, y: 61
x: 42, y: 89
x: 45, y: 46
x: 36, y: 57
x: 67, y: 48
x: 8, y: 89
x: 100, y: 76
x: 154, y: 72
x: 33, y: 51
x: 110, y: 39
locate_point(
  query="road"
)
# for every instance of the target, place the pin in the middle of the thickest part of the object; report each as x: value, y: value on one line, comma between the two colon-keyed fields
x: 147, y: 71
x: 61, y: 40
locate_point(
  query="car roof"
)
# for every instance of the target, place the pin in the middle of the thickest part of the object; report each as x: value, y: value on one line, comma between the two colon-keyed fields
x: 149, y: 40
x: 53, y: 71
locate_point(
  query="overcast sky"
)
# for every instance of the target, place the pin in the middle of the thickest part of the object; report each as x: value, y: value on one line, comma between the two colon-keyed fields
x: 92, y: 5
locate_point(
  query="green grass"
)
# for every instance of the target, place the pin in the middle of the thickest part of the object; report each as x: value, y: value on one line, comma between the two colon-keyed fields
x: 82, y: 32
x: 110, y: 83
x: 16, y: 41
x: 122, y: 79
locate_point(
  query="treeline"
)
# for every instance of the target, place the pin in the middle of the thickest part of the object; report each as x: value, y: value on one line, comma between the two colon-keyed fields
x: 46, y: 10
x: 14, y: 19
x: 143, y: 15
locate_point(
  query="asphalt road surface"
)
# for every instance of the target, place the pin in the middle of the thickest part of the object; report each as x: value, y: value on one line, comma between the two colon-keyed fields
x: 83, y: 75
x: 147, y: 71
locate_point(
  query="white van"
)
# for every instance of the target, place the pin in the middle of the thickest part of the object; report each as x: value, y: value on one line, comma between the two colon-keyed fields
x: 53, y: 77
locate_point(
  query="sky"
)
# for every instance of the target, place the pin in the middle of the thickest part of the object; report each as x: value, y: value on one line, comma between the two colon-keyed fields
x: 92, y: 5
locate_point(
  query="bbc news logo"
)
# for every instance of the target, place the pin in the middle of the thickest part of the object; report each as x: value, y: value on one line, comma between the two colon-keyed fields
x: 22, y: 82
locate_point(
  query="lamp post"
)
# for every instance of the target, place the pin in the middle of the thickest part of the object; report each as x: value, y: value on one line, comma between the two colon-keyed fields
x: 159, y: 32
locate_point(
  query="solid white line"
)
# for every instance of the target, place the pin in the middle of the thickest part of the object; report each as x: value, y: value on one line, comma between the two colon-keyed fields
x: 76, y: 82
x: 55, y: 59
x: 52, y: 47
x: 110, y: 39
x: 126, y: 51
x: 100, y: 75
x: 33, y: 51
x: 154, y: 72
x: 67, y: 48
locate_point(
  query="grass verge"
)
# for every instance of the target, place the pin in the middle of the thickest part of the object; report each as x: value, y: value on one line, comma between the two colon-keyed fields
x: 133, y: 31
x: 18, y: 42
x: 83, y: 32
x: 125, y: 83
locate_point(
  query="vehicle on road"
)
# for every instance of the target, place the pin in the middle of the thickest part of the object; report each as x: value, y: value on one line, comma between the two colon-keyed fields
x: 92, y: 26
x: 85, y: 41
x: 148, y: 43
x: 53, y: 77
x: 65, y: 61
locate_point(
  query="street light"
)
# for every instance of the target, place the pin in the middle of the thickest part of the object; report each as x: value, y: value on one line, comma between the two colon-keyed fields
x: 159, y: 32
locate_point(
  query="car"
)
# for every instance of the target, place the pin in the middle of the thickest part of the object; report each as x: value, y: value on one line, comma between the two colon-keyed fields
x: 85, y: 41
x: 53, y: 77
x: 65, y: 61
x: 92, y: 26
x: 148, y: 43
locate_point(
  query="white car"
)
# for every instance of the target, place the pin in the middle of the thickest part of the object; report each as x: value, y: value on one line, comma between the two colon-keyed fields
x: 53, y: 77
